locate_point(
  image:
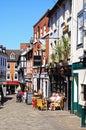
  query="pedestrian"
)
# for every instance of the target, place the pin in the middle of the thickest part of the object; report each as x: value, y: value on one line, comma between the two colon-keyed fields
x: 2, y: 96
x: 19, y: 96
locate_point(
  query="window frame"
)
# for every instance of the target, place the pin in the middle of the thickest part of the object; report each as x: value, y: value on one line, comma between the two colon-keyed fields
x: 8, y: 75
x: 12, y: 55
x: 80, y: 33
x: 16, y: 76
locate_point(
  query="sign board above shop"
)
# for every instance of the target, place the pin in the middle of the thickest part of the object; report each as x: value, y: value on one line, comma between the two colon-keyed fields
x: 28, y: 80
x: 37, y: 60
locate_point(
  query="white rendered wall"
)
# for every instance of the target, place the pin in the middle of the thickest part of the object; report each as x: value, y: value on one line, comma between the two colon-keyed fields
x: 77, y: 6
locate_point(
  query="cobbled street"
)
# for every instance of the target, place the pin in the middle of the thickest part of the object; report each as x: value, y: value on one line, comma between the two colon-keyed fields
x: 20, y: 116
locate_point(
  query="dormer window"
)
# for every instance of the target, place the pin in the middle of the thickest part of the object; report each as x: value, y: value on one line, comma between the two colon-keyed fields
x: 12, y: 56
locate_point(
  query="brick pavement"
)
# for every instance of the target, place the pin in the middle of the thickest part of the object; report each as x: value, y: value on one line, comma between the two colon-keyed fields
x: 19, y: 116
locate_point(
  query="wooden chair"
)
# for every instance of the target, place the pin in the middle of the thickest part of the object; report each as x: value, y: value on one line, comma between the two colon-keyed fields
x: 34, y: 102
x: 41, y: 104
x: 57, y: 105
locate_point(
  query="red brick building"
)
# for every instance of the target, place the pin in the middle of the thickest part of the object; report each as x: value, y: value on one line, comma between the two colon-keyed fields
x: 40, y: 55
x: 41, y: 30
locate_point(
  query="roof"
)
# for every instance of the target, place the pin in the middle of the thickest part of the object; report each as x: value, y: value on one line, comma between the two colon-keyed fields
x: 55, y: 7
x: 9, y: 52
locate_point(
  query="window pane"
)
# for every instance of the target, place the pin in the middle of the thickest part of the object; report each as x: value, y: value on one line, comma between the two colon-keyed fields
x: 8, y: 65
x: 80, y: 29
x: 80, y: 36
x: 80, y: 21
x: 16, y: 76
x: 12, y: 56
x: 8, y: 76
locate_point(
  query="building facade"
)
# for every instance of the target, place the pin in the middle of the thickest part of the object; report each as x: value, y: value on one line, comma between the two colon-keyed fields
x: 21, y: 65
x: 59, y: 23
x: 59, y: 26
x: 3, y: 63
x: 11, y: 71
x: 29, y: 66
x: 41, y: 56
x: 78, y: 55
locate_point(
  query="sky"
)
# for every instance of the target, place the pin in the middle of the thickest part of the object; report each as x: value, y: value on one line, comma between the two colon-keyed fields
x: 17, y: 18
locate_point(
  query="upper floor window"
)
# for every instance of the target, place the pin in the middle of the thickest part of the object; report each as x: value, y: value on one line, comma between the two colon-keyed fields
x: 8, y: 75
x: 4, y: 50
x: 55, y: 42
x: 84, y: 3
x: 55, y: 19
x: 51, y: 44
x: 16, y: 76
x: 12, y: 56
x: 41, y: 32
x: 15, y: 65
x: 1, y: 61
x: 8, y: 65
x: 0, y: 49
x: 35, y: 36
x: 70, y: 6
x: 63, y: 11
x: 80, y: 29
x: 52, y: 23
x: 44, y: 29
x: 38, y: 31
x: 5, y: 62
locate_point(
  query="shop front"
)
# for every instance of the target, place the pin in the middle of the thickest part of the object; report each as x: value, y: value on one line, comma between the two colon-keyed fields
x: 11, y: 87
x: 41, y: 83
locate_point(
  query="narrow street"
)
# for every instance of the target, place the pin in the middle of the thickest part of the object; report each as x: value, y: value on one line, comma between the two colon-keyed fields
x: 19, y: 116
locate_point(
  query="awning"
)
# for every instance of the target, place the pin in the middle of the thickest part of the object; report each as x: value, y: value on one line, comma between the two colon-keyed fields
x: 12, y: 82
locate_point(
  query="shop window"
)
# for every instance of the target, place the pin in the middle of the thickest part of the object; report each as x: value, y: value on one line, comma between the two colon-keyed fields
x: 83, y: 92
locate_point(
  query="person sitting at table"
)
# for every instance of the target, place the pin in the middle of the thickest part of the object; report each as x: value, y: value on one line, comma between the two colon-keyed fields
x: 53, y: 97
x: 56, y: 100
x: 52, y: 100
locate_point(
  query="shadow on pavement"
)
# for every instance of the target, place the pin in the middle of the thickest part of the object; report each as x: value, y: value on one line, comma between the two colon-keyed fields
x: 7, y: 98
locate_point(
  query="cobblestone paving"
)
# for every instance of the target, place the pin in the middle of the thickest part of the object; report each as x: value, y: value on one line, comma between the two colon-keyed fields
x: 19, y: 116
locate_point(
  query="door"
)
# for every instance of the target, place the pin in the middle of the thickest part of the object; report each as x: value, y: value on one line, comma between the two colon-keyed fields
x: 75, y: 92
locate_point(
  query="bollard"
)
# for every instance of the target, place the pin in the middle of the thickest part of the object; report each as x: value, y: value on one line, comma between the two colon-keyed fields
x: 83, y: 117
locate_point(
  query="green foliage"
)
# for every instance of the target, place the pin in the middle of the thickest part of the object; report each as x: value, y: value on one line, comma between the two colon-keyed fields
x: 66, y: 48
x: 62, y: 51
x: 53, y: 57
x: 58, y: 49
